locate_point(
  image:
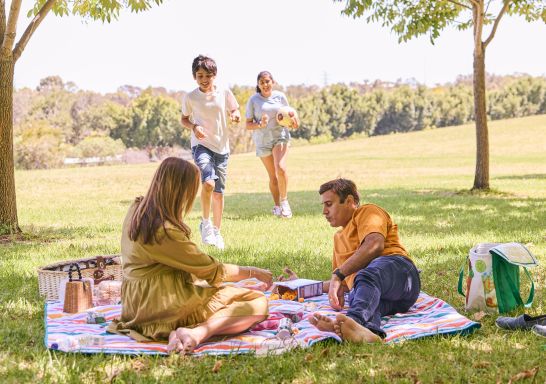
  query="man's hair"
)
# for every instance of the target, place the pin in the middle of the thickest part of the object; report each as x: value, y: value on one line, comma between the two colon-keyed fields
x: 203, y: 62
x: 342, y: 188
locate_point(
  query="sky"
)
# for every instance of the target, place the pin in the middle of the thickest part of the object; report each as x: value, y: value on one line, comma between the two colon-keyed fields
x: 298, y: 41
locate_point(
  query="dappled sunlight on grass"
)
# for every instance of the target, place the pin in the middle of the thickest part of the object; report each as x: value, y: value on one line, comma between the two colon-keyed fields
x: 423, y: 181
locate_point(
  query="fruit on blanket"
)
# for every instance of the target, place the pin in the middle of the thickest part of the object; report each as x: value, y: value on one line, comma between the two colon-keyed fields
x: 285, y: 116
x: 301, y: 299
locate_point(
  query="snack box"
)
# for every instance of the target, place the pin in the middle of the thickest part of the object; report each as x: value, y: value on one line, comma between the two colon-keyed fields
x: 299, y: 289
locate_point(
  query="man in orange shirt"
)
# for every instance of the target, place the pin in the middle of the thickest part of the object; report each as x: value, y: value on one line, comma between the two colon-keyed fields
x: 368, y: 262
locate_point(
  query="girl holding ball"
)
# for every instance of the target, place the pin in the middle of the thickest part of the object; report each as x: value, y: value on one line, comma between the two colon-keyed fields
x: 271, y: 139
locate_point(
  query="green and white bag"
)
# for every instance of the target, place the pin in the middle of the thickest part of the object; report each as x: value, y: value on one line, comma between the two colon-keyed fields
x: 493, y: 281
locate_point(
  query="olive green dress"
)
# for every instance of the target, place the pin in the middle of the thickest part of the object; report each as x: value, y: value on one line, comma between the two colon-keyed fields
x: 158, y: 290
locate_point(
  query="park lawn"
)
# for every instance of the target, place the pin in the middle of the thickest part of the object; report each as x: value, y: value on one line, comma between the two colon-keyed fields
x: 421, y: 178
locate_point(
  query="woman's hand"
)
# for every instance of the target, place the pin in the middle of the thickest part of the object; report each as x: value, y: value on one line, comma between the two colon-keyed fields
x: 264, y: 121
x: 263, y: 275
x: 295, y: 123
x: 291, y: 275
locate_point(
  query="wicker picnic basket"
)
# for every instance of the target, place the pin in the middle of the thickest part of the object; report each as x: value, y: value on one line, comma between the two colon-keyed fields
x: 50, y: 276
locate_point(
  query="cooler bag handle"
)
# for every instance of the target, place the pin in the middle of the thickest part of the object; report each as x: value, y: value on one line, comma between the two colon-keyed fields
x: 532, y: 291
x: 461, y: 277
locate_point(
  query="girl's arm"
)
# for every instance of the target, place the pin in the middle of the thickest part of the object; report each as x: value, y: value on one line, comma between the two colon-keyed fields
x: 252, y: 125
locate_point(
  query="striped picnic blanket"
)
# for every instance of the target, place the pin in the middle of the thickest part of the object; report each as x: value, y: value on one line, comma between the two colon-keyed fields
x: 429, y: 316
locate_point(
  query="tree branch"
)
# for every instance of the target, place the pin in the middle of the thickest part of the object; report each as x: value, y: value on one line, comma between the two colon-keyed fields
x: 2, y: 20
x: 11, y: 27
x: 497, y: 21
x: 459, y: 4
x: 42, y: 13
x: 477, y: 16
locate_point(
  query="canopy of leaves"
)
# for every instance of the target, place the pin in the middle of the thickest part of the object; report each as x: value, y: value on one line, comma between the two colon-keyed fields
x: 409, y: 19
x: 104, y: 10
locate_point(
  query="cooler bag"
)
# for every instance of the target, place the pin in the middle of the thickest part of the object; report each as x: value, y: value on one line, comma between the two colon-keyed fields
x: 493, y: 281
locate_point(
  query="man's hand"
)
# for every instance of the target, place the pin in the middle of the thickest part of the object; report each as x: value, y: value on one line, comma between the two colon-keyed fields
x: 336, y: 293
x: 199, y: 132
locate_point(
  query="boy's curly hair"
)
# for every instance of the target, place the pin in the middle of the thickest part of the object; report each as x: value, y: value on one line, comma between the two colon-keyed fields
x: 203, y: 62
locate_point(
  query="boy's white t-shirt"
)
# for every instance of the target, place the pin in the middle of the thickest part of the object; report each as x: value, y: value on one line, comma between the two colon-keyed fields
x: 209, y: 110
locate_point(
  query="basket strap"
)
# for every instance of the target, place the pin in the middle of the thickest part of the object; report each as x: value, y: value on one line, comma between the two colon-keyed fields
x: 71, y: 268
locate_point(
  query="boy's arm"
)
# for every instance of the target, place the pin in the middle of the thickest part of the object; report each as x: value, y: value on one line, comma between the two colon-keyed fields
x: 235, y: 115
x: 232, y: 106
x: 197, y: 130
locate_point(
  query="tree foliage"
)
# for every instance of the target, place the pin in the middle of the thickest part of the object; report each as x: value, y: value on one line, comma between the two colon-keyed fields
x: 409, y: 19
x: 150, y: 119
x: 11, y: 49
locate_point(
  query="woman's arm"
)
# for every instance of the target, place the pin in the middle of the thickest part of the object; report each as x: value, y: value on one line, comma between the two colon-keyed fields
x: 238, y: 273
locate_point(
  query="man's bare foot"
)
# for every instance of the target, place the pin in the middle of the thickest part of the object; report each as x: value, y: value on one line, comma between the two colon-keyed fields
x: 321, y: 322
x: 183, y: 341
x: 349, y: 330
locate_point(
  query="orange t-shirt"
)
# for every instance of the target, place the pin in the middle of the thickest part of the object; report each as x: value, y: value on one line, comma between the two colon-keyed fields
x: 368, y: 218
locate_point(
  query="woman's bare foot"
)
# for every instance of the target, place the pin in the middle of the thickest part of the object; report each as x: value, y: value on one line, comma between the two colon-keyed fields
x: 321, y: 322
x: 174, y: 342
x: 350, y: 330
x: 183, y: 341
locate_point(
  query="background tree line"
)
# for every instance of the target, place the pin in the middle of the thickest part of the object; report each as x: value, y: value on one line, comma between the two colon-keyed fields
x: 57, y: 120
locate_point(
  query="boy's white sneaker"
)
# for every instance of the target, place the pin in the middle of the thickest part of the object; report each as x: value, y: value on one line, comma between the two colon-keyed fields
x: 207, y: 232
x: 219, y: 239
x: 276, y: 211
x: 286, y: 212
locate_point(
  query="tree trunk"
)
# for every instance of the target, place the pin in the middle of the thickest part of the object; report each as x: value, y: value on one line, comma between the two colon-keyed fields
x: 481, y: 177
x: 8, y: 207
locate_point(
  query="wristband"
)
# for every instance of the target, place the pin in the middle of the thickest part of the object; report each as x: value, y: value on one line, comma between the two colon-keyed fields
x: 339, y: 274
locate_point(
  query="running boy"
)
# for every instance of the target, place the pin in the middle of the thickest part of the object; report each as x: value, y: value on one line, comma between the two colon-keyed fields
x: 204, y: 112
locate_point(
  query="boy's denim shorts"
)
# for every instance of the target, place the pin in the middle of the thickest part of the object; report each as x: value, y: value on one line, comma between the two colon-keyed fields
x: 213, y: 166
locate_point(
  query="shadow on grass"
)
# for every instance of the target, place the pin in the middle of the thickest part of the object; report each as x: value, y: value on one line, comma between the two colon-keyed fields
x: 438, y: 214
x: 535, y: 176
x: 416, y: 211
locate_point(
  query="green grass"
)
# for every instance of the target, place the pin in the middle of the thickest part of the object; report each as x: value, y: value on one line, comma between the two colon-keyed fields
x: 421, y: 178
